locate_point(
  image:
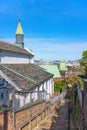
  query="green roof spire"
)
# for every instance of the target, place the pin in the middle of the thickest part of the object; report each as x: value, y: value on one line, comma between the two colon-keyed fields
x: 19, y: 35
x: 19, y: 29
x: 62, y: 67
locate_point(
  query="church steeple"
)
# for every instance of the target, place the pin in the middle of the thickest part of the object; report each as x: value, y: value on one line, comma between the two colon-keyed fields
x: 19, y: 29
x: 19, y: 35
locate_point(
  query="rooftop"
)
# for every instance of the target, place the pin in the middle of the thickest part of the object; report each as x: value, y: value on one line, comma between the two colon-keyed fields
x: 25, y: 76
x: 52, y: 69
x: 9, y: 47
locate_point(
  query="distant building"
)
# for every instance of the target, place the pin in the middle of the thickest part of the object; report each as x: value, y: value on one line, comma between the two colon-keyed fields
x: 73, y: 64
x: 52, y: 69
x: 63, y: 69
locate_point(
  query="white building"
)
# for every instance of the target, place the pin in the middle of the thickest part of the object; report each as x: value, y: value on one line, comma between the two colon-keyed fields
x: 27, y: 80
x: 15, y: 53
x: 17, y: 72
x: 12, y: 54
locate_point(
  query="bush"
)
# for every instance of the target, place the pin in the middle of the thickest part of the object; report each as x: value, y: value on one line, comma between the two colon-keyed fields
x: 59, y: 86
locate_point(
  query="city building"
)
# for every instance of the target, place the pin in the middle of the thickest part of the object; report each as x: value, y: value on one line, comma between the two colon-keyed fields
x: 52, y: 69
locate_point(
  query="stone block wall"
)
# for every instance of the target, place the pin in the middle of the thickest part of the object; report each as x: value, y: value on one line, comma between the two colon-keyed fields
x: 27, y: 118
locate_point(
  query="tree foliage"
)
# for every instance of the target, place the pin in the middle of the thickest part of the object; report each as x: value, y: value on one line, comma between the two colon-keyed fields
x: 59, y: 86
x: 83, y: 62
x: 72, y: 79
x: 76, y: 109
x: 84, y: 55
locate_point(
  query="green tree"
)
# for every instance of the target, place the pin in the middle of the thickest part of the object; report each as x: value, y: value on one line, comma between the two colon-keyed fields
x: 59, y: 86
x: 83, y: 62
x: 72, y: 79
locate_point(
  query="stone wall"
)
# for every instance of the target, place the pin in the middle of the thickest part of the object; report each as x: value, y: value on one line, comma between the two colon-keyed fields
x: 26, y: 118
x: 85, y: 106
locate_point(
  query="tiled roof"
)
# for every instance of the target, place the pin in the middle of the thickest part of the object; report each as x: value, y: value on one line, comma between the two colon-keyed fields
x: 5, y: 46
x: 52, y: 69
x: 1, y: 77
x: 25, y: 76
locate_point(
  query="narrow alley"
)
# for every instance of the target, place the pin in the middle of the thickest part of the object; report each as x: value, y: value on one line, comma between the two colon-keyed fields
x: 58, y: 120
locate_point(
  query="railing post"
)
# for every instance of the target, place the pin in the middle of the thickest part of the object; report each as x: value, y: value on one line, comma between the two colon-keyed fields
x: 31, y: 104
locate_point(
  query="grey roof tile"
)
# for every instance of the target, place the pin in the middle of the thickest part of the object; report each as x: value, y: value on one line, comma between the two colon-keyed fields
x: 5, y: 46
x: 26, y: 76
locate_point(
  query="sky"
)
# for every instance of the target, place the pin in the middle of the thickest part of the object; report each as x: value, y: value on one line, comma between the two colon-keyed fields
x: 53, y: 29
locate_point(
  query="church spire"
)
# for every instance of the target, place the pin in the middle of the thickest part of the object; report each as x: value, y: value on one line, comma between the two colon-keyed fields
x: 19, y: 35
x: 19, y: 29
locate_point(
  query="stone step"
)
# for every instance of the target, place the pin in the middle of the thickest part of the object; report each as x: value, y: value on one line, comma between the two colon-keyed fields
x: 58, y: 120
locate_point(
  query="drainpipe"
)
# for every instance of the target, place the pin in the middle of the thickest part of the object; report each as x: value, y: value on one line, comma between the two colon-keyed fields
x: 13, y: 109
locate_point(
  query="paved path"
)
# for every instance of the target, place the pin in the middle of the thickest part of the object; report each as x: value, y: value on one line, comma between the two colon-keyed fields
x: 57, y: 120
x: 61, y: 120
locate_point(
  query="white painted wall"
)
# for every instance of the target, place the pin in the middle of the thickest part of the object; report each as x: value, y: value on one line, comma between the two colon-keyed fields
x: 21, y: 100
x: 15, y: 58
x: 31, y: 59
x: 25, y: 99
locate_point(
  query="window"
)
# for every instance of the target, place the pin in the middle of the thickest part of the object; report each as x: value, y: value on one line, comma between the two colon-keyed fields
x: 2, y: 95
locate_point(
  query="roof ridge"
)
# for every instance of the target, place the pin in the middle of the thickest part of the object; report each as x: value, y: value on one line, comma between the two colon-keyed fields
x: 7, y: 42
x: 11, y: 44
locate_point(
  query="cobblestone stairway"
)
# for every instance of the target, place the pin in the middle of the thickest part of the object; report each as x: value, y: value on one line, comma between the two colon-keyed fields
x: 56, y: 120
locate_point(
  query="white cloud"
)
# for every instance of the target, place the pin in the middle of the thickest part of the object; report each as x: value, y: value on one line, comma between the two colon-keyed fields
x: 54, y: 48
x: 55, y: 45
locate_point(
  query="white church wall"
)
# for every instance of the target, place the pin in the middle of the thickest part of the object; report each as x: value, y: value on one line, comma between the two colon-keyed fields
x: 35, y: 95
x: 31, y: 59
x: 51, y: 86
x: 27, y: 98
x: 14, y: 58
x: 45, y: 85
x: 19, y: 101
